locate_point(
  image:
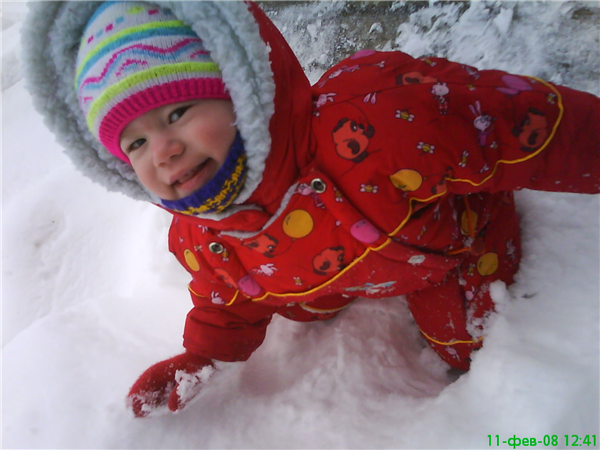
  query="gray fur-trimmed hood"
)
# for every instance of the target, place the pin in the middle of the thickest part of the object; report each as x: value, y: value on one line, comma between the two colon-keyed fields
x: 51, y: 36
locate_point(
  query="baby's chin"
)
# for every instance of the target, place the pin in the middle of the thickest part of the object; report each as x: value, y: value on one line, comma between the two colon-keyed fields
x: 196, y: 179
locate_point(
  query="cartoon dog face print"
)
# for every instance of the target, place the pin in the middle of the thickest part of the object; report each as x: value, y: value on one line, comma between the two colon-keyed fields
x: 533, y: 130
x: 329, y: 260
x: 265, y: 244
x: 352, y: 139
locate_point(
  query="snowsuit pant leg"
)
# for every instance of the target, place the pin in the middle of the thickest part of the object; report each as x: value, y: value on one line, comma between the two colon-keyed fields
x: 452, y: 315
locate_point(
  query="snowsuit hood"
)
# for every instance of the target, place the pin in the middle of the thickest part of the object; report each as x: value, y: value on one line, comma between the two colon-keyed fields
x: 241, y: 40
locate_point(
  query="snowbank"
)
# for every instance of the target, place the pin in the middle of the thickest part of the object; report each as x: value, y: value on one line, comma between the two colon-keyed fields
x: 13, y: 14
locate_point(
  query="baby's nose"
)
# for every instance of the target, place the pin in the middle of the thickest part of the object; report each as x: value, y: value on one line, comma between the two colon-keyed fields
x: 168, y: 149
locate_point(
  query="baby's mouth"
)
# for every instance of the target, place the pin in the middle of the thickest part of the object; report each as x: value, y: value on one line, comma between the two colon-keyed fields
x: 193, y: 179
x: 190, y: 174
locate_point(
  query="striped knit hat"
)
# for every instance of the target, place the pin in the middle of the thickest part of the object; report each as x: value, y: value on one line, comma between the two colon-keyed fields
x: 135, y: 57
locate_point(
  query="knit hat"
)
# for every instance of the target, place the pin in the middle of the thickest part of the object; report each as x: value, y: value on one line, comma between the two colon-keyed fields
x: 135, y: 57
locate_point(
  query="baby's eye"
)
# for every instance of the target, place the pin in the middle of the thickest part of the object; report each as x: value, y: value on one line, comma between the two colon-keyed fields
x: 176, y: 115
x: 136, y: 144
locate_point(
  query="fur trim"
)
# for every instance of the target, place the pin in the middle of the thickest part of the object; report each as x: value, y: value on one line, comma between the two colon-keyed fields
x: 51, y: 35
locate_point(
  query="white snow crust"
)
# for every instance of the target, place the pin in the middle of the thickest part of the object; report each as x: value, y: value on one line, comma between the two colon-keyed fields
x: 91, y: 297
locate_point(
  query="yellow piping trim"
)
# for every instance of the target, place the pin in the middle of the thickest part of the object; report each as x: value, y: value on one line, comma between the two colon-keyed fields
x: 203, y: 296
x: 453, y: 342
x: 410, y: 209
x: 356, y: 261
x: 195, y: 293
x: 233, y: 299
x: 320, y: 311
x: 556, y: 124
x: 328, y: 282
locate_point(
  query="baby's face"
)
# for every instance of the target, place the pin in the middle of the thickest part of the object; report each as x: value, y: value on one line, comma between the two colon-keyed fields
x: 177, y: 148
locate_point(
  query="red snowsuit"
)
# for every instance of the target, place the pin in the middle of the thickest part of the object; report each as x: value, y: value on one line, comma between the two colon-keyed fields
x: 390, y: 176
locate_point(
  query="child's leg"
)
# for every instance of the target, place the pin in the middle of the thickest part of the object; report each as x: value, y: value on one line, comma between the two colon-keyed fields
x: 441, y: 314
x: 452, y: 315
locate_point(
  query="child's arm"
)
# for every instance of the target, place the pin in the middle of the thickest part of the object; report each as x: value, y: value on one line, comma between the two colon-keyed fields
x: 567, y: 159
x: 173, y: 383
x: 212, y: 332
x: 226, y: 333
x: 454, y: 128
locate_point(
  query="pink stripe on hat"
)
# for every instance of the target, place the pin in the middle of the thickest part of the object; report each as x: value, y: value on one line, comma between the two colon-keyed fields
x: 133, y: 106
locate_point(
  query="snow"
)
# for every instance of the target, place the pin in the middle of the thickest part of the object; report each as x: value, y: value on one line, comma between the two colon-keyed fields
x: 91, y: 297
x: 12, y: 18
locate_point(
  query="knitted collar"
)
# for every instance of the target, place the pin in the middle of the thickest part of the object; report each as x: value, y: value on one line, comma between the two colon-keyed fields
x: 221, y: 190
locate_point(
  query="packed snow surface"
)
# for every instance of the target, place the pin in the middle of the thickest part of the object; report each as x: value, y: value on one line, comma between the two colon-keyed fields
x: 91, y: 297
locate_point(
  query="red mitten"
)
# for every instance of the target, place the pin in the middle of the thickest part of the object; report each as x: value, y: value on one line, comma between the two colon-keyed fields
x: 175, y: 382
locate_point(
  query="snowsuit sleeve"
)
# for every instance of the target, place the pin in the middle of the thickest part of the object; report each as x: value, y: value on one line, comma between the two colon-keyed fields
x: 225, y: 333
x: 223, y: 324
x: 499, y: 132
x: 548, y: 141
x: 461, y: 130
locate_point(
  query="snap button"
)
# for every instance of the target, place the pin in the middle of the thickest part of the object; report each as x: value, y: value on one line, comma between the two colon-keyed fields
x: 216, y: 248
x: 318, y: 186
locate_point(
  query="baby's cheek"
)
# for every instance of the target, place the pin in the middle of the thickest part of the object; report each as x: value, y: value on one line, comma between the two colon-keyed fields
x: 150, y: 180
x: 222, y: 140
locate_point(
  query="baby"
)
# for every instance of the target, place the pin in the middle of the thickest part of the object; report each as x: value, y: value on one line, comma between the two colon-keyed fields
x: 391, y: 176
